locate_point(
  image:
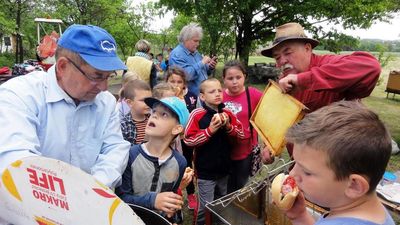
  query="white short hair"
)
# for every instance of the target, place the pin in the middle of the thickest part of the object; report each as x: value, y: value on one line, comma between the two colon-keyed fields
x: 189, y: 31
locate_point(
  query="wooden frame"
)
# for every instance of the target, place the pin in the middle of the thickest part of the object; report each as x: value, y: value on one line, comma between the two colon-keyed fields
x: 393, y: 84
x: 274, y: 115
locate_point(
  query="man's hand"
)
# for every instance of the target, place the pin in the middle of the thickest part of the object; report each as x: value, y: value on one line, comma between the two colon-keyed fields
x: 213, y: 62
x: 215, y: 123
x: 206, y: 60
x: 168, y: 202
x: 288, y: 83
x: 266, y: 156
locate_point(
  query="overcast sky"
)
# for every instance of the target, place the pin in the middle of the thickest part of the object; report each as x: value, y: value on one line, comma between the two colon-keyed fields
x: 380, y: 30
x: 384, y: 31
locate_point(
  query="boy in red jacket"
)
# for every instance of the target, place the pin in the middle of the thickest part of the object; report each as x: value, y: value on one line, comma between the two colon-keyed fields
x: 209, y: 131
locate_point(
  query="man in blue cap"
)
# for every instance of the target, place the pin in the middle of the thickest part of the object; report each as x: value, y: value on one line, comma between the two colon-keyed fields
x: 66, y: 113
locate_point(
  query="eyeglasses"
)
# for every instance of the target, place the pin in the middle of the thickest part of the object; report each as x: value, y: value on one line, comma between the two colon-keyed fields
x: 96, y: 78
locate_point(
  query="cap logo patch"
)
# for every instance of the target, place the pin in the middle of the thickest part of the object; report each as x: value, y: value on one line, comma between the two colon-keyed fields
x: 107, y: 46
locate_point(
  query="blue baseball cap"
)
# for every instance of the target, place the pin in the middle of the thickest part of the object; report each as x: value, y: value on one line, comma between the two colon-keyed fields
x: 176, y: 105
x: 94, y: 44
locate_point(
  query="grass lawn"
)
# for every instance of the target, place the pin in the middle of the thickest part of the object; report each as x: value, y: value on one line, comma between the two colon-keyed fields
x: 388, y: 109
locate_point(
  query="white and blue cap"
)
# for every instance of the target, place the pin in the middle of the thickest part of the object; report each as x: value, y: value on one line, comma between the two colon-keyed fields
x: 94, y: 44
x: 176, y: 105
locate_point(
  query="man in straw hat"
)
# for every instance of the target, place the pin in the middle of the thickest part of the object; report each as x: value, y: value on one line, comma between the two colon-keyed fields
x: 318, y: 80
x: 66, y: 113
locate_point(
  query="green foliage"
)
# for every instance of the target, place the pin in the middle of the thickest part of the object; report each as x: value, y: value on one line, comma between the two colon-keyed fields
x: 383, y: 57
x: 134, y: 24
x: 6, y: 25
x: 172, y: 33
x: 231, y: 28
x: 215, y: 20
x: 17, y: 16
x: 336, y: 42
x: 95, y: 12
x: 6, y: 59
x: 126, y: 23
x: 256, y: 19
x: 372, y: 45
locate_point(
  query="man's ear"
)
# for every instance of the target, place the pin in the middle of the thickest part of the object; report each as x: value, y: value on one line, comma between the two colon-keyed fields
x: 61, y: 65
x: 308, y: 47
x: 357, y: 186
x: 177, y: 129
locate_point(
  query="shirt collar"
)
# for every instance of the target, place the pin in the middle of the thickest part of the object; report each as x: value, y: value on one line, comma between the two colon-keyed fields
x: 186, y: 51
x: 54, y: 92
x: 128, y: 117
x: 142, y: 54
x: 220, y: 108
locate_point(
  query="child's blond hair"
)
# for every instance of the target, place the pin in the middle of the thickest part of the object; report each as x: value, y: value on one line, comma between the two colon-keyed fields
x: 128, y: 76
x: 129, y: 88
x: 204, y: 83
x: 161, y: 88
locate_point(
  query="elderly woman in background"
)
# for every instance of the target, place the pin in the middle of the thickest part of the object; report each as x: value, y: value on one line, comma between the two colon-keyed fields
x: 186, y: 56
x: 141, y: 63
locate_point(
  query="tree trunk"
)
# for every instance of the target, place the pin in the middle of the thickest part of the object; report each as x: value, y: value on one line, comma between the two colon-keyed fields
x: 213, y: 47
x: 1, y: 43
x: 245, y: 52
x: 18, y: 50
x: 244, y: 38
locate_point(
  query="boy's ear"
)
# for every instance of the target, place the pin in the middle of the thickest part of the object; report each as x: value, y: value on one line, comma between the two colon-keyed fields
x: 357, y: 186
x: 201, y: 97
x: 128, y: 101
x: 177, y: 129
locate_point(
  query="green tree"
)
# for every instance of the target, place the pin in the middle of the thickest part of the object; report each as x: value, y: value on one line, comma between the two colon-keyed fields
x: 6, y: 27
x: 383, y: 57
x: 337, y: 42
x: 177, y: 24
x: 118, y: 17
x: 123, y: 34
x: 95, y: 12
x: 19, y: 14
x: 134, y: 23
x: 211, y: 15
x: 256, y: 19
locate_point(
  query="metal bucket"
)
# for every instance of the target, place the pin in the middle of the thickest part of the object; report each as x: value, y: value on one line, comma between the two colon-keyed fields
x: 148, y: 216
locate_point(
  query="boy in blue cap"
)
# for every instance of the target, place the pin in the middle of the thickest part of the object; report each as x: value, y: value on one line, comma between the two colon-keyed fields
x: 67, y: 113
x: 155, y: 170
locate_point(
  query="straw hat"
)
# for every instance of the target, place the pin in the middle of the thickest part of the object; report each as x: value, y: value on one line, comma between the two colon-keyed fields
x: 288, y: 31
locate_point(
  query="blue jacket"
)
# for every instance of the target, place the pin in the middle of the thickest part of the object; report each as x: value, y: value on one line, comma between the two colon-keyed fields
x: 191, y: 62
